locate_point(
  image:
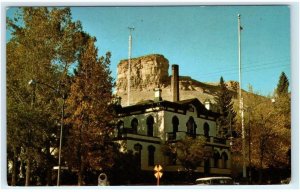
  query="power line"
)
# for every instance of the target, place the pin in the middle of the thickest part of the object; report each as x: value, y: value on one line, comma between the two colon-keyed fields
x: 246, y: 69
x: 249, y: 65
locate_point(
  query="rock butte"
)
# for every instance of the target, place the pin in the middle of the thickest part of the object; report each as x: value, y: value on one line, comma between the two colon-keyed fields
x: 151, y: 71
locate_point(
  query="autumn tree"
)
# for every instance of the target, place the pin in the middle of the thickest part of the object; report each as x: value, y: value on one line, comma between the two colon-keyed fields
x: 89, y: 112
x: 224, y: 102
x: 189, y: 151
x: 267, y: 127
x: 44, y: 43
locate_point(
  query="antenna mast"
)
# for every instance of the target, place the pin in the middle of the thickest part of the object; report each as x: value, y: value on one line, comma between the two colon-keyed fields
x: 129, y: 64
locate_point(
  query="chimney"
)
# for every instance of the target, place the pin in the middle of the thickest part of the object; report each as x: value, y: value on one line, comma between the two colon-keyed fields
x: 157, y: 94
x: 175, y: 83
x: 207, y: 104
x: 118, y: 100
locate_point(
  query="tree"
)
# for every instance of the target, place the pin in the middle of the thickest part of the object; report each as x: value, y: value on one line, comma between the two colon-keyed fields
x: 126, y: 169
x: 267, y: 137
x: 44, y: 43
x: 225, y: 106
x: 89, y: 112
x: 283, y: 85
x: 189, y: 151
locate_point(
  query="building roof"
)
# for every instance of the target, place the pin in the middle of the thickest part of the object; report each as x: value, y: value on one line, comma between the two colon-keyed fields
x: 182, y: 105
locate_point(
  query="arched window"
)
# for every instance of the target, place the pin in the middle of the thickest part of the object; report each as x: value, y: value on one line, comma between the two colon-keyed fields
x: 134, y: 125
x: 216, y: 159
x: 120, y: 128
x: 175, y: 123
x: 151, y: 152
x: 191, y: 127
x: 138, y: 148
x: 206, y: 130
x: 150, y: 122
x: 224, y: 157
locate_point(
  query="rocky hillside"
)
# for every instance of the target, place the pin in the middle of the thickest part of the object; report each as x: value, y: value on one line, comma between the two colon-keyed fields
x: 151, y: 71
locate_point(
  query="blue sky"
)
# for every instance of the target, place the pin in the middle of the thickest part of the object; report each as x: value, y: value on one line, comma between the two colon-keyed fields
x: 201, y: 39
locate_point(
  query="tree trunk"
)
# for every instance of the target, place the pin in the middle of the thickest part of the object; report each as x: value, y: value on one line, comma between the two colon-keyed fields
x: 49, y: 176
x: 49, y: 167
x: 261, y: 169
x: 80, y: 174
x: 28, y: 168
x: 79, y: 178
x: 81, y: 166
x: 14, y: 168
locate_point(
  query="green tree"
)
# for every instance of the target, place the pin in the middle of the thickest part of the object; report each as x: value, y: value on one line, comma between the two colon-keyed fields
x: 126, y: 169
x: 283, y: 85
x: 44, y: 43
x: 224, y: 102
x: 189, y: 151
x: 89, y: 112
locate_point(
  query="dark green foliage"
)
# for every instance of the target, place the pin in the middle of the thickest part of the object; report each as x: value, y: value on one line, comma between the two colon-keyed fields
x: 225, y: 106
x: 126, y: 170
x: 283, y: 85
x: 189, y: 151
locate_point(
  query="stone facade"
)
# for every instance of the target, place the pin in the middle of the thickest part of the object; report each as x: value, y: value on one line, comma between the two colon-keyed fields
x: 144, y: 128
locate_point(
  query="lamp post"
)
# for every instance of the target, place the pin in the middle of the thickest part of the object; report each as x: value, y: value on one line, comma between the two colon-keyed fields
x: 63, y: 96
x: 28, y: 164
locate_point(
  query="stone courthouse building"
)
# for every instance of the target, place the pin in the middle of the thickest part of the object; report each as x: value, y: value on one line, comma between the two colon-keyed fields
x: 164, y: 109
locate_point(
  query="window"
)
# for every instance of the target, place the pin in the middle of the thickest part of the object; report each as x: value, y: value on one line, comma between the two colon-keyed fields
x: 138, y: 148
x: 224, y: 160
x: 150, y: 122
x: 191, y: 127
x: 134, y: 125
x: 120, y: 128
x: 175, y: 123
x: 151, y: 152
x: 191, y: 108
x: 206, y: 130
x: 216, y: 159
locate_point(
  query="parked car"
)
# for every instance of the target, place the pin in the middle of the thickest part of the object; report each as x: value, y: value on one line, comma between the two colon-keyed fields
x: 214, y: 181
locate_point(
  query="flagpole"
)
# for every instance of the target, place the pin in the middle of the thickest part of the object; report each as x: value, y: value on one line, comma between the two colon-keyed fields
x: 129, y: 64
x: 240, y: 95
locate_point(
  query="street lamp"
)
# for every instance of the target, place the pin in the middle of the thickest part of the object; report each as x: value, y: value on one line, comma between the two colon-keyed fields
x: 63, y: 96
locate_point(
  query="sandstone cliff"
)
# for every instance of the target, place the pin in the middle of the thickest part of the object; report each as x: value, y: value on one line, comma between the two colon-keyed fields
x: 151, y: 71
x: 147, y: 72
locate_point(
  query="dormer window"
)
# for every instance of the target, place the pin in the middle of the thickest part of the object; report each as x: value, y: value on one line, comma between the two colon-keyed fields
x: 191, y: 108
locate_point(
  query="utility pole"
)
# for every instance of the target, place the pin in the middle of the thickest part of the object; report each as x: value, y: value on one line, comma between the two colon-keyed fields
x: 129, y: 67
x: 60, y: 137
x: 249, y: 150
x: 240, y: 95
